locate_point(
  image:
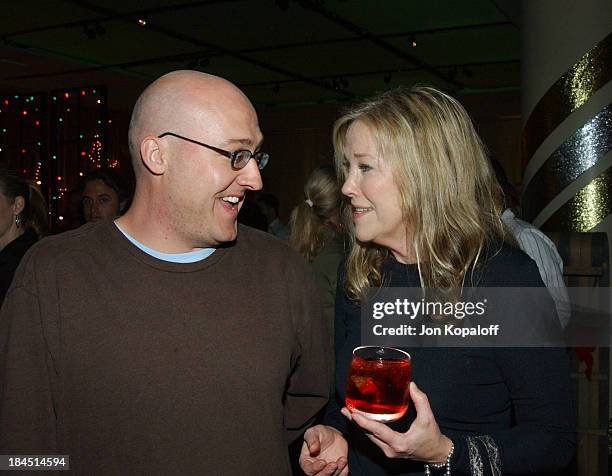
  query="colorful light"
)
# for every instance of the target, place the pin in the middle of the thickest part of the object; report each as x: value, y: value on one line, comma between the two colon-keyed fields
x: 67, y: 122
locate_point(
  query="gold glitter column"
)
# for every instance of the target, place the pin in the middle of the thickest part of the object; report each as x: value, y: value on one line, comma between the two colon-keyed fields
x: 567, y: 114
x: 566, y: 93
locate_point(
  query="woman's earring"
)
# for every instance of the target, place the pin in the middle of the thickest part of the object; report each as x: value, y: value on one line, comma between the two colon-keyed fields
x: 18, y: 221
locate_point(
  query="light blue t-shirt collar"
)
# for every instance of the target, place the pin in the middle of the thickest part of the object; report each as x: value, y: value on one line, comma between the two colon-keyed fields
x: 189, y: 257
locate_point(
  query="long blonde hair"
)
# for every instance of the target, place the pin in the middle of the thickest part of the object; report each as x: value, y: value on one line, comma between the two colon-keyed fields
x: 447, y: 187
x: 308, y: 221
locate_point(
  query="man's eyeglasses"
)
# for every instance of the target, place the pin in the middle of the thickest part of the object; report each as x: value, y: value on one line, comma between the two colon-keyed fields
x: 238, y: 159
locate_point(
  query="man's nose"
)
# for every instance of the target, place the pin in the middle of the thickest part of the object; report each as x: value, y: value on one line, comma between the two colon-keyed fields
x: 250, y: 176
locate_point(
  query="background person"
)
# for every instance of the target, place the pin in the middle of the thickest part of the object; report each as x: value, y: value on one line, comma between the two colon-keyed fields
x: 269, y: 206
x: 316, y: 232
x: 23, y: 220
x: 426, y: 214
x: 105, y: 195
x: 536, y: 244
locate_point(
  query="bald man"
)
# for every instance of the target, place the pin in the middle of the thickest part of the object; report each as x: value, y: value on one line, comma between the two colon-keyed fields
x: 171, y: 341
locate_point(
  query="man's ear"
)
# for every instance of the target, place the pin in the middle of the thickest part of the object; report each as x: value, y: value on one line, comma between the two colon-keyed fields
x: 18, y: 205
x: 152, y: 155
x: 122, y: 206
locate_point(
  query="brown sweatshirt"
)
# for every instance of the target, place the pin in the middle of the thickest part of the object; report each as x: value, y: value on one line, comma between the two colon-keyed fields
x: 132, y: 365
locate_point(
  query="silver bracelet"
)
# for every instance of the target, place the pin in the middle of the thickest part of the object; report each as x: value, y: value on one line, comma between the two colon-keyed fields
x: 445, y: 465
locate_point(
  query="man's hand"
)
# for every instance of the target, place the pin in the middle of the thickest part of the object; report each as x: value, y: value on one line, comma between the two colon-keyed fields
x: 423, y: 440
x: 324, y: 452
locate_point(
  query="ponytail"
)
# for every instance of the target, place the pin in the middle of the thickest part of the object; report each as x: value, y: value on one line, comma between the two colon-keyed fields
x: 308, y: 222
x: 306, y: 234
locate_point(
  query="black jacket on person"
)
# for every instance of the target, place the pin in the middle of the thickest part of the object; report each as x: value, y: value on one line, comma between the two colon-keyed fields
x: 10, y: 257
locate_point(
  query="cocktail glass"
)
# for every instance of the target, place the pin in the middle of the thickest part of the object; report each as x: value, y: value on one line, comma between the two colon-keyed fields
x: 378, y: 384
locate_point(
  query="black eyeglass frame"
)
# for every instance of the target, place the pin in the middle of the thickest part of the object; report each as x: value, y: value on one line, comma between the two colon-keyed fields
x: 261, y: 158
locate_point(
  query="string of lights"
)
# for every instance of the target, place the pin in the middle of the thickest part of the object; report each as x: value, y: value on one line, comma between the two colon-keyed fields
x: 54, y: 139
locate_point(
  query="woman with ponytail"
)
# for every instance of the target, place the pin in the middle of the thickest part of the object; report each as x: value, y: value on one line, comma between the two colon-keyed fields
x: 316, y: 232
x: 23, y: 220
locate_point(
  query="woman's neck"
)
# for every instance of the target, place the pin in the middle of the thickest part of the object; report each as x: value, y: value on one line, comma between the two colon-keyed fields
x: 11, y: 234
x: 405, y: 256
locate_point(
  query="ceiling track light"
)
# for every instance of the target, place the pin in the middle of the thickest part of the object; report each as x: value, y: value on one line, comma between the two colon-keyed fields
x: 93, y: 30
x: 339, y: 84
x: 412, y: 41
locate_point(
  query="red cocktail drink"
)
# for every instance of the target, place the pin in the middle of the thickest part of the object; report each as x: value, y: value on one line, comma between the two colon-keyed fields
x: 378, y: 383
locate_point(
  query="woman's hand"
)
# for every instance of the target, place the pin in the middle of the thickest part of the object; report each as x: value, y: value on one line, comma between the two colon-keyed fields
x: 324, y: 452
x: 423, y: 440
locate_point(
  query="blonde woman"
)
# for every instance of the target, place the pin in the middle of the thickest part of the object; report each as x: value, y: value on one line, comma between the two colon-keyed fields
x: 316, y: 232
x: 425, y: 214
